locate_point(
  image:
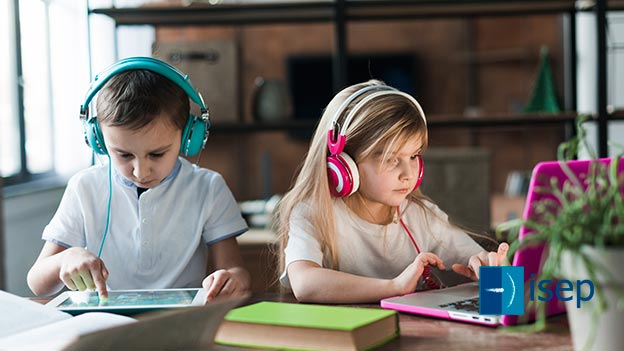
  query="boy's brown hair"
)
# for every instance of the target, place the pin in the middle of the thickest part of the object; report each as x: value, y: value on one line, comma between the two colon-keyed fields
x: 133, y: 99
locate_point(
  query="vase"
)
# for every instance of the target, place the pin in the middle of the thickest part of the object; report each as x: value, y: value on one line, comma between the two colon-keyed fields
x: 271, y: 102
x: 591, y: 329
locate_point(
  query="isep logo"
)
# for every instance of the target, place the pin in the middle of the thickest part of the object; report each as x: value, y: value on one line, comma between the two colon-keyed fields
x: 501, y: 290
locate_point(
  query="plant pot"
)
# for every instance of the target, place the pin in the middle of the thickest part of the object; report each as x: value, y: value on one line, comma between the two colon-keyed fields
x: 590, y: 329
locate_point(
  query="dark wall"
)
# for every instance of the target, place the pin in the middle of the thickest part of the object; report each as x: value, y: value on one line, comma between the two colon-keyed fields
x: 485, y: 65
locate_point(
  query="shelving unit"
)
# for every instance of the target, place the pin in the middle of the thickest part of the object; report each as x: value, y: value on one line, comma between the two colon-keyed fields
x: 440, y: 121
x: 341, y: 12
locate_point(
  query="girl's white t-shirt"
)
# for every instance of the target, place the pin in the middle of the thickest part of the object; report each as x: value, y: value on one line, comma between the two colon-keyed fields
x: 379, y: 251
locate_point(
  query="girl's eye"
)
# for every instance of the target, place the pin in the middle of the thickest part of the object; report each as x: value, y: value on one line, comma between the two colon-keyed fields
x: 391, y: 163
x: 157, y: 155
x: 126, y: 156
x: 414, y: 157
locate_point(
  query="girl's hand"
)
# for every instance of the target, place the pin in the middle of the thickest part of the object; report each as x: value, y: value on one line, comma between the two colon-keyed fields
x: 82, y: 270
x: 222, y: 283
x: 484, y: 258
x: 408, y: 279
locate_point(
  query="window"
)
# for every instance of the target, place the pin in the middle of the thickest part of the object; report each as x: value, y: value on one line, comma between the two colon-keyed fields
x: 10, y: 158
x: 46, y: 52
x: 44, y: 71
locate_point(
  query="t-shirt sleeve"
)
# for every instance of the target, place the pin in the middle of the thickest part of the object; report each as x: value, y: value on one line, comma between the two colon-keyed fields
x: 224, y: 219
x: 302, y: 244
x: 67, y: 226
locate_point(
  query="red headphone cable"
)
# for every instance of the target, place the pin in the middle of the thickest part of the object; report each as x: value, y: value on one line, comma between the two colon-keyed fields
x: 426, y: 275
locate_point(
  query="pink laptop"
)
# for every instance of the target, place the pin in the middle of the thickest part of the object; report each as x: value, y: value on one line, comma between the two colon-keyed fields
x: 460, y: 302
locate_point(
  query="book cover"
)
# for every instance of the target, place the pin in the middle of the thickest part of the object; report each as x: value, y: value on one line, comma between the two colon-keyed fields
x: 291, y: 326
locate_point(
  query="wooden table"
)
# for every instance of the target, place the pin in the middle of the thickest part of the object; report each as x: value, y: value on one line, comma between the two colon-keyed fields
x: 424, y: 333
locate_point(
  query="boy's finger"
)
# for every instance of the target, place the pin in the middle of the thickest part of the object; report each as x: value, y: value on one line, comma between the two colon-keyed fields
x: 104, y: 272
x: 69, y: 283
x: 78, y: 283
x: 214, y: 290
x: 100, y: 285
x: 88, y: 280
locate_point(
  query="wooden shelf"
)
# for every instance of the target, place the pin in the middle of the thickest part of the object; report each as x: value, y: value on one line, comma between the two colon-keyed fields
x: 325, y: 11
x: 384, y: 10
x: 202, y: 14
x: 433, y: 121
x: 500, y: 120
x: 302, y: 125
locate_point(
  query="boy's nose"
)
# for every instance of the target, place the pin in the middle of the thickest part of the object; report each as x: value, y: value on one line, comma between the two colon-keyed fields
x: 141, y: 170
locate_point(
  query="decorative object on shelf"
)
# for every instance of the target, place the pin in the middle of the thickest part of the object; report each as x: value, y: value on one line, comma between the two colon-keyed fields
x: 580, y: 217
x: 213, y: 66
x: 543, y: 97
x: 517, y: 183
x: 271, y: 103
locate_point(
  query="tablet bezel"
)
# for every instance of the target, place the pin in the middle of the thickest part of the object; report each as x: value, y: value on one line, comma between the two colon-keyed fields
x: 198, y: 300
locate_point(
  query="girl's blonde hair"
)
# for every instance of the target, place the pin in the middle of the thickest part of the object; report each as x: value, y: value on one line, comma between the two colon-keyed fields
x: 385, y: 123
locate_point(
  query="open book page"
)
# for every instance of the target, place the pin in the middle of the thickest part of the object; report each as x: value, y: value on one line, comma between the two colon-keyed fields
x: 176, y: 329
x: 188, y: 328
x: 59, y: 334
x: 20, y: 314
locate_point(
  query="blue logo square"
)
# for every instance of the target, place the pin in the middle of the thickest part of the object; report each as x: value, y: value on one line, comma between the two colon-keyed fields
x: 501, y: 290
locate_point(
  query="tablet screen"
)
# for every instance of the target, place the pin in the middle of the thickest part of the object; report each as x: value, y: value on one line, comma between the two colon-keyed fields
x: 130, y: 298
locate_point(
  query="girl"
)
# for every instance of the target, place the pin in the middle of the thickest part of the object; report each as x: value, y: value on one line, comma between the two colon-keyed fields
x: 354, y: 227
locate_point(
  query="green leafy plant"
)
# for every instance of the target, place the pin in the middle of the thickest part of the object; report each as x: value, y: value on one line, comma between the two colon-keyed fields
x: 579, y: 213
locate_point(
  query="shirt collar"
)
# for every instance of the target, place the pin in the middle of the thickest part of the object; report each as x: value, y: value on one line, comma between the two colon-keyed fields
x: 123, y: 180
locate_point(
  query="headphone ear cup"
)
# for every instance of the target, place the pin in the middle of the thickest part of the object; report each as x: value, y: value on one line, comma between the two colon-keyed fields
x: 342, y: 175
x: 193, y: 136
x: 93, y: 136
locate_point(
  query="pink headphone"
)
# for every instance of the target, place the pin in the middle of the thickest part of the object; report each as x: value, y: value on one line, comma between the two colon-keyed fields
x: 342, y: 172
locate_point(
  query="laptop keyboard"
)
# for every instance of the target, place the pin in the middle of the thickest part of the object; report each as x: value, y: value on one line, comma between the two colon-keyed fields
x: 470, y: 305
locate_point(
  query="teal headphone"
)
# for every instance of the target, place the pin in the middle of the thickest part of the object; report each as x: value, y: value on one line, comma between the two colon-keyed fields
x: 197, y: 129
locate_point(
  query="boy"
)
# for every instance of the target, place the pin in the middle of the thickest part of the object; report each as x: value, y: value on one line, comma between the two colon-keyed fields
x: 167, y: 216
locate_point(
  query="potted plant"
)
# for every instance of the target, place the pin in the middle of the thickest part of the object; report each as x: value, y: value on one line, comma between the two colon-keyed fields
x: 581, y: 225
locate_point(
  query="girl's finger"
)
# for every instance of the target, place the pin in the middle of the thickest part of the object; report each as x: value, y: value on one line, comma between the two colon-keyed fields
x: 474, y: 265
x: 502, y: 249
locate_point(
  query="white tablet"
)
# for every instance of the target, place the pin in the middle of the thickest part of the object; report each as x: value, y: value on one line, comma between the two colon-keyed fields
x: 127, y: 301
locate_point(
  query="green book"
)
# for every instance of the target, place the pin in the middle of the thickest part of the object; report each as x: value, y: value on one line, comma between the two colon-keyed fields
x: 292, y: 326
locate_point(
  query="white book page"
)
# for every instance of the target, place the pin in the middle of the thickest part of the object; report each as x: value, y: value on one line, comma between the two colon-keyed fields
x: 57, y: 335
x: 28, y: 325
x: 18, y: 314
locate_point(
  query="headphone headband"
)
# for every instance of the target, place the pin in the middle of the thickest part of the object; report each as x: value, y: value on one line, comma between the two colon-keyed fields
x: 150, y: 64
x: 196, y: 130
x: 336, y: 141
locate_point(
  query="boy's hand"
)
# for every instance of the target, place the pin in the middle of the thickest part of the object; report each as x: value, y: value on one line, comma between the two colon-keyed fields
x: 484, y: 258
x: 222, y: 283
x: 407, y: 281
x: 82, y: 270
